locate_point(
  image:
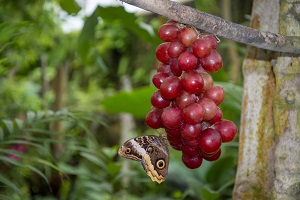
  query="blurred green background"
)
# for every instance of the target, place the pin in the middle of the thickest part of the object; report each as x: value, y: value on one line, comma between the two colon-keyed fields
x: 66, y: 95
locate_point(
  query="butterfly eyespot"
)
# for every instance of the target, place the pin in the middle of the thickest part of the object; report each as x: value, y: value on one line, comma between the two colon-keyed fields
x: 128, y: 150
x: 150, y: 150
x: 160, y: 164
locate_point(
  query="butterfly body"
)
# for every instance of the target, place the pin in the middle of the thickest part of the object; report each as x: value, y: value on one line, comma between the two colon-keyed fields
x: 153, y: 153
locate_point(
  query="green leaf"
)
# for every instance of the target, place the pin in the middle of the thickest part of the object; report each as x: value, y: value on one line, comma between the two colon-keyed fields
x: 30, y: 117
x: 208, y: 6
x: 37, y: 171
x: 1, y: 134
x: 45, y: 162
x: 70, y: 6
x: 128, y: 20
x: 24, y: 141
x: 94, y: 159
x: 234, y: 92
x: 113, y: 169
x: 110, y: 152
x: 231, y: 106
x: 18, y: 123
x: 20, y: 164
x: 209, y: 194
x: 7, y: 182
x: 136, y: 102
x: 220, y: 170
x: 8, y: 126
x: 87, y: 35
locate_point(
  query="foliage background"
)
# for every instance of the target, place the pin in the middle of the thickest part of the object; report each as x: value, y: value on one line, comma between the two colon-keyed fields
x: 62, y: 95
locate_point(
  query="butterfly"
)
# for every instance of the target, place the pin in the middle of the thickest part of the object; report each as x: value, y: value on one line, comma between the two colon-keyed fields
x: 153, y: 153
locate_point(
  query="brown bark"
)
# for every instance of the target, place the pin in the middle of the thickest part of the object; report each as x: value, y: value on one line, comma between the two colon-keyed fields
x: 255, y: 174
x: 287, y: 111
x: 44, y: 80
x: 59, y: 90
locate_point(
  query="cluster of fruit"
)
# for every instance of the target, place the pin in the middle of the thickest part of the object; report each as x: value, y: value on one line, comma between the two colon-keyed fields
x: 186, y: 102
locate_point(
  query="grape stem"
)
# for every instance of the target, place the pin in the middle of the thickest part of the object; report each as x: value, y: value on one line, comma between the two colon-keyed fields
x: 218, y: 26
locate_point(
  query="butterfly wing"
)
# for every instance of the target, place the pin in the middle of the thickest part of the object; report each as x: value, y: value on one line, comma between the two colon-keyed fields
x: 131, y: 149
x: 153, y: 153
x: 156, y: 160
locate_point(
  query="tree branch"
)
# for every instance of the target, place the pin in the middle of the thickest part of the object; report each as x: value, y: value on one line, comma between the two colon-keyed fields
x: 220, y: 27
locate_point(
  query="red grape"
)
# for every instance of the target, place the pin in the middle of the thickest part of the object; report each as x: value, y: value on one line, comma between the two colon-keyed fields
x: 174, y: 139
x: 176, y: 146
x: 162, y: 54
x: 171, y: 21
x: 202, y: 47
x: 164, y: 68
x: 158, y: 101
x: 185, y: 104
x: 190, y: 143
x: 173, y: 132
x: 153, y: 119
x: 212, y: 157
x: 170, y: 87
x: 227, y: 130
x: 210, y: 108
x: 175, y: 69
x: 192, y: 82
x: 189, y: 151
x: 168, y: 32
x: 187, y: 36
x: 217, y: 117
x: 193, y: 113
x: 215, y: 93
x: 207, y: 79
x: 172, y: 117
x: 213, y: 41
x: 190, y: 132
x: 209, y: 141
x: 213, y: 62
x: 192, y: 163
x: 187, y: 61
x: 175, y: 49
x: 158, y: 78
x: 185, y: 98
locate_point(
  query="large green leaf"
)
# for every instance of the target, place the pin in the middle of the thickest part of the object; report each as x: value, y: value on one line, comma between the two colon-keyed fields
x: 70, y: 6
x: 128, y: 20
x: 87, y: 35
x: 111, y: 15
x: 136, y: 102
x: 209, y: 194
x: 231, y: 106
x: 221, y: 171
x: 233, y: 93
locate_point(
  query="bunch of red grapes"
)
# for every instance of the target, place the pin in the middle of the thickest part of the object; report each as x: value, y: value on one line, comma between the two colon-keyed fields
x: 186, y: 102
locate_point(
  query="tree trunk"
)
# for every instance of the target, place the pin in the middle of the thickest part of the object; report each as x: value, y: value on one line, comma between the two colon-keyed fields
x: 287, y: 110
x: 45, y: 86
x: 255, y: 174
x: 127, y: 128
x: 59, y: 90
x: 269, y: 154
